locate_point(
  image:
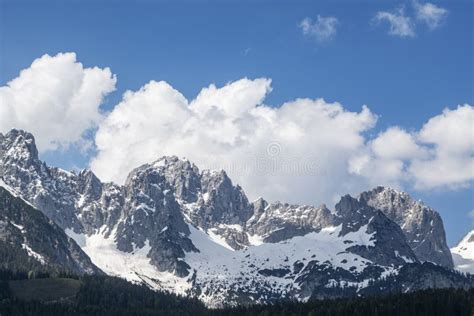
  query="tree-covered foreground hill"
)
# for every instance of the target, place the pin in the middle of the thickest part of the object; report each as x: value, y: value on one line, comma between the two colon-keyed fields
x: 42, y: 294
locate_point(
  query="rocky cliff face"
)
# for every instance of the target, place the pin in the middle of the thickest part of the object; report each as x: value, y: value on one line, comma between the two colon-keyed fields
x: 151, y: 214
x: 49, y: 189
x: 280, y: 221
x: 421, y: 225
x: 392, y: 246
x: 194, y: 232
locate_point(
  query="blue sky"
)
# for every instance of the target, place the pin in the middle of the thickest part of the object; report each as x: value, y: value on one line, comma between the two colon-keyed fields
x: 404, y: 80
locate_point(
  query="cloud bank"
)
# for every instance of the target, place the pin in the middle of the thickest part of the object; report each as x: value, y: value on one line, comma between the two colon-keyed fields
x: 303, y: 151
x: 439, y: 155
x: 56, y: 98
x: 294, y: 152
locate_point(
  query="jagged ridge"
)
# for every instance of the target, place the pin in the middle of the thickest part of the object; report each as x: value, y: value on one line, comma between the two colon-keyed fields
x: 175, y: 227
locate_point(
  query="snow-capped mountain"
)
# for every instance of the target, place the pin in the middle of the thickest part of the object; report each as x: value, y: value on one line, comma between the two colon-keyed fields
x: 463, y: 254
x: 194, y: 232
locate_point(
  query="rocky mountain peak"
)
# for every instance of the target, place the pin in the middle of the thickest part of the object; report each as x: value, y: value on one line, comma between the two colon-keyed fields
x: 216, y: 180
x: 89, y: 185
x: 347, y: 205
x: 422, y: 225
x: 259, y: 204
x: 19, y: 144
x: 396, y: 204
x: 182, y: 175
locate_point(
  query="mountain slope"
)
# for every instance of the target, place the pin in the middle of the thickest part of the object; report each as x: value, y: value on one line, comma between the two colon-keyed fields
x: 463, y: 254
x: 29, y: 239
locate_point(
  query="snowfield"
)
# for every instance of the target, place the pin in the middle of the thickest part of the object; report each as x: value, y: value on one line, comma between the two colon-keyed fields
x: 218, y: 266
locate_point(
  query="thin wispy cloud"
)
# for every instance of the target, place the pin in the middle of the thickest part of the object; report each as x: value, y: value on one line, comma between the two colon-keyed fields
x: 323, y: 29
x: 430, y: 14
x: 404, y: 25
x: 400, y: 24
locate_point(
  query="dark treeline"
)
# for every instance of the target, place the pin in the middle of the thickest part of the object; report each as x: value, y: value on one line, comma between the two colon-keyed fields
x: 104, y: 295
x: 440, y: 302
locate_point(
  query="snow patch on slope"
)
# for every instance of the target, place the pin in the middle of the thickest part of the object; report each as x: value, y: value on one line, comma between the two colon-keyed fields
x: 218, y: 239
x: 217, y: 267
x: 33, y: 254
x: 134, y: 266
x: 217, y: 263
x: 463, y: 254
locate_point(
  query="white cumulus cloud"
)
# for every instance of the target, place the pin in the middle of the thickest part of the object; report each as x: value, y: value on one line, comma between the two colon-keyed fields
x: 396, y: 143
x: 304, y: 151
x: 296, y: 152
x: 439, y: 155
x: 56, y: 99
x: 450, y: 136
x: 323, y: 29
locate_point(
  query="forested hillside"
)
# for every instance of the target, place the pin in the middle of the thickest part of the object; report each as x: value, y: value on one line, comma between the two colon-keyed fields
x: 104, y: 295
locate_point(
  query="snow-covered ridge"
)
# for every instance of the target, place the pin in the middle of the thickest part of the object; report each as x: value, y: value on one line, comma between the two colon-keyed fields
x: 463, y: 254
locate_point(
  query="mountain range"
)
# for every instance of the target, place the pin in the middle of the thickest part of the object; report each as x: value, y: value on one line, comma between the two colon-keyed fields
x: 194, y: 232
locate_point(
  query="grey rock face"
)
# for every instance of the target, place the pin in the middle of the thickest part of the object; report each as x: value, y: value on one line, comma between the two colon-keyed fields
x: 208, y: 199
x: 422, y: 225
x: 152, y: 214
x: 224, y: 202
x: 280, y: 221
x: 181, y: 175
x: 21, y: 169
x: 390, y: 246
